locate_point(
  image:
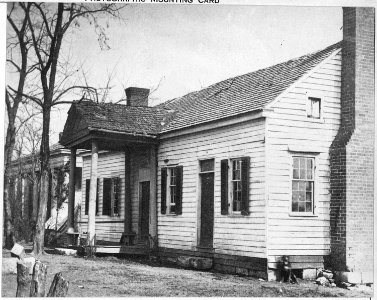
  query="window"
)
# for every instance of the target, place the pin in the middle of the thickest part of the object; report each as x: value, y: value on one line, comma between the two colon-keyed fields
x: 235, y: 186
x: 111, y: 194
x: 314, y: 108
x: 87, y: 191
x: 303, y: 184
x: 171, y: 190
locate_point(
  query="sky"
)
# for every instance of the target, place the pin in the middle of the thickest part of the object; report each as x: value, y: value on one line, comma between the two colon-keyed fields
x: 177, y: 49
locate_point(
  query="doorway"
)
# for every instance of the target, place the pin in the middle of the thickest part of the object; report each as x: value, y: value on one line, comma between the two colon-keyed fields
x: 206, y: 200
x: 144, y: 196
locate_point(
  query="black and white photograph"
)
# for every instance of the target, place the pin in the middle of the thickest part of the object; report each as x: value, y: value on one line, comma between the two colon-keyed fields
x: 188, y: 148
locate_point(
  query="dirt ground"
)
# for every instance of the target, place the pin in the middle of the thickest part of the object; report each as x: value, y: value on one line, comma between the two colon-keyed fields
x: 115, y: 277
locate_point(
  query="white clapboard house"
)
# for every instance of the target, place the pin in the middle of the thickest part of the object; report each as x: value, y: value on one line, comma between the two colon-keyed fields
x: 238, y: 172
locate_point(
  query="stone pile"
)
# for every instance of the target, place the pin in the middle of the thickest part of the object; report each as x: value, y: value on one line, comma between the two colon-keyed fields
x: 335, y: 279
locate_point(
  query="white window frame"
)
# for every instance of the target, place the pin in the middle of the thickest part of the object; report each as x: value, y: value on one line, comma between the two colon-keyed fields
x: 169, y: 204
x: 231, y: 188
x: 315, y: 95
x: 313, y: 213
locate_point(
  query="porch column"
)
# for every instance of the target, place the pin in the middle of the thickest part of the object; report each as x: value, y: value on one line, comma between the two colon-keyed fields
x: 92, y: 195
x: 127, y: 236
x: 153, y: 193
x: 71, y: 195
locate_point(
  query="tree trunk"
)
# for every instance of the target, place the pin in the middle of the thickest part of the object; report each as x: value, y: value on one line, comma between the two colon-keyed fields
x: 23, y: 280
x: 38, y: 283
x: 59, y: 286
x: 9, y: 146
x: 38, y: 243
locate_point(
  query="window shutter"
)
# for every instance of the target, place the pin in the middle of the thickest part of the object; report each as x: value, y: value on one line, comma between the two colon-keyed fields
x: 115, y: 203
x: 224, y: 187
x: 87, y: 189
x: 106, y: 199
x: 97, y: 196
x: 245, y: 165
x: 164, y: 175
x: 178, y: 204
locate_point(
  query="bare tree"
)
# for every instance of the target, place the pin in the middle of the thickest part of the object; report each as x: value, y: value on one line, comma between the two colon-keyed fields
x: 48, y: 24
x: 18, y: 45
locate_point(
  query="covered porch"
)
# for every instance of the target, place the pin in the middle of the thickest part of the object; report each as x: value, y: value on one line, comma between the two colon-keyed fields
x: 119, y: 176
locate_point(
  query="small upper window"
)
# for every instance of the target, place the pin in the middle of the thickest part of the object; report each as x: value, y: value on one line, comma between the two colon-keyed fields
x: 314, y: 108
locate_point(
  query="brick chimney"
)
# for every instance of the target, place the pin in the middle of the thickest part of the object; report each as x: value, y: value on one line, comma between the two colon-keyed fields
x: 137, y: 96
x: 352, y: 152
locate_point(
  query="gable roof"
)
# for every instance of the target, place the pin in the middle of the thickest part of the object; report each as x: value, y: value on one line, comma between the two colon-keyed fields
x: 231, y: 97
x: 241, y: 94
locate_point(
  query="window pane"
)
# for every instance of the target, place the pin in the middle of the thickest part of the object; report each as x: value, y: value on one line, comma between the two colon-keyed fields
x: 296, y: 174
x: 316, y: 108
x: 295, y: 196
x: 295, y: 206
x: 301, y: 196
x: 294, y: 185
x: 296, y: 162
x: 308, y: 186
x: 308, y: 206
x: 302, y: 185
x: 301, y: 206
x: 207, y: 165
x: 173, y: 177
x: 302, y: 174
x: 310, y: 168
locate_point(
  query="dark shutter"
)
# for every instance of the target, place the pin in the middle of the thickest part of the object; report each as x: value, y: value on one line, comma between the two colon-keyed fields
x: 116, y: 196
x: 178, y: 202
x: 97, y: 196
x: 224, y: 187
x: 106, y: 199
x: 245, y: 169
x: 164, y: 175
x: 87, y: 189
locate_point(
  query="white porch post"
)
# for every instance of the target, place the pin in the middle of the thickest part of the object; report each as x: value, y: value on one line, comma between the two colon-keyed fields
x: 92, y: 195
x: 71, y: 195
x: 153, y: 192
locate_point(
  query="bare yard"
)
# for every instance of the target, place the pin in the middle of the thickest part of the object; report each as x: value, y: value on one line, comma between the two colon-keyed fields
x: 111, y: 276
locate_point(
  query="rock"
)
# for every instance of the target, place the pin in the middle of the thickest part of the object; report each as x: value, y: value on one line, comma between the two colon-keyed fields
x: 184, y: 261
x: 333, y: 284
x: 17, y: 251
x: 322, y: 281
x: 327, y: 274
x: 9, y: 265
x: 200, y: 263
x: 66, y: 251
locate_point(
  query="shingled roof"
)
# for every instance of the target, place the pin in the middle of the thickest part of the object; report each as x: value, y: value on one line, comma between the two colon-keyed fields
x: 123, y: 118
x: 228, y: 98
x: 241, y: 94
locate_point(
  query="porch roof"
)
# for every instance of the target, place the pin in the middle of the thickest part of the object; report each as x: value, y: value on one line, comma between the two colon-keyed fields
x: 113, y: 125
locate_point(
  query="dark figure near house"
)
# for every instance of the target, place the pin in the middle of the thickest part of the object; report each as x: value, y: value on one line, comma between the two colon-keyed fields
x: 286, y: 273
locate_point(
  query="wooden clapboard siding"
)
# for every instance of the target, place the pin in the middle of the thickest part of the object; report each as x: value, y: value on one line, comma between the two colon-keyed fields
x: 288, y: 127
x: 233, y: 235
x: 110, y: 164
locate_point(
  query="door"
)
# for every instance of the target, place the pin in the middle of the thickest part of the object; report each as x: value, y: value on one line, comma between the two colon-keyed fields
x: 144, y: 210
x: 206, y: 207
